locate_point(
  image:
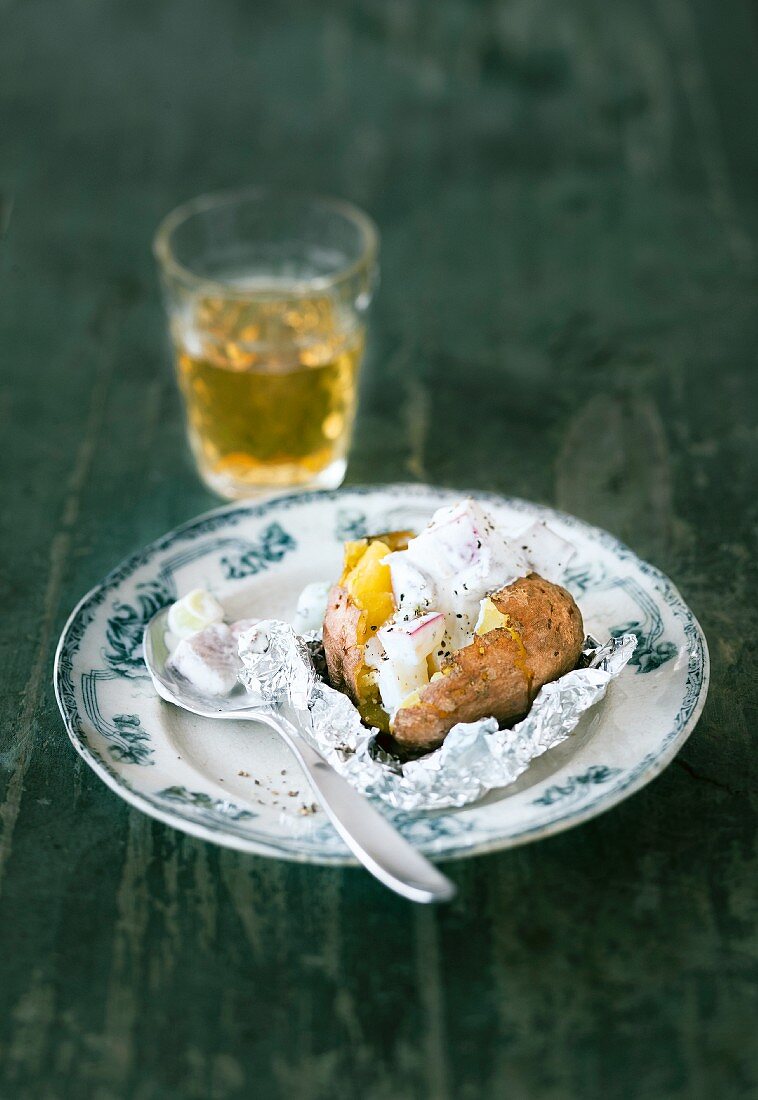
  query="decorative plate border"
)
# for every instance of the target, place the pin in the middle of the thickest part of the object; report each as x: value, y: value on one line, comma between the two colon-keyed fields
x: 217, y: 820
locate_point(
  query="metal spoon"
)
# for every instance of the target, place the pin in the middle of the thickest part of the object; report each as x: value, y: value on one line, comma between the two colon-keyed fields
x: 368, y: 834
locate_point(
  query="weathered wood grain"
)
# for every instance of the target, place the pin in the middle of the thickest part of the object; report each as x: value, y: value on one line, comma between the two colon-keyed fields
x: 568, y: 202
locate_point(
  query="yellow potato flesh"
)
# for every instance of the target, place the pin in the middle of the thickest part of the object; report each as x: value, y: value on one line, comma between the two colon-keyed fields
x: 370, y: 584
x: 490, y: 618
x: 411, y: 700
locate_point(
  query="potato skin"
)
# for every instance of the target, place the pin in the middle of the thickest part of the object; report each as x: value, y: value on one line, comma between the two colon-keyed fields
x: 494, y: 675
x: 344, y: 654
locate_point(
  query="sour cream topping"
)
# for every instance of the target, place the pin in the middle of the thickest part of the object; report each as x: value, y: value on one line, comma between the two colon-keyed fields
x: 450, y: 567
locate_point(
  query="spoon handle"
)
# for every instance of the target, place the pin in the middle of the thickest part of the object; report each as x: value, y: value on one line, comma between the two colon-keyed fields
x: 368, y: 834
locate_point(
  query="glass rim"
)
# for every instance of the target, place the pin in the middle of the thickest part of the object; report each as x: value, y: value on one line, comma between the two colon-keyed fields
x: 166, y: 258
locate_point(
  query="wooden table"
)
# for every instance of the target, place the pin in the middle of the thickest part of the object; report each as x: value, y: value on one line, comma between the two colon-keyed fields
x: 568, y: 199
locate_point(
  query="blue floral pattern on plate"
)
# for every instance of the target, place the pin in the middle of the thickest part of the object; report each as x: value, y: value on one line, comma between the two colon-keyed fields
x: 577, y: 786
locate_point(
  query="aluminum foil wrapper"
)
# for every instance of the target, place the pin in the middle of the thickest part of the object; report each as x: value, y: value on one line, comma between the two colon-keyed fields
x: 280, y: 670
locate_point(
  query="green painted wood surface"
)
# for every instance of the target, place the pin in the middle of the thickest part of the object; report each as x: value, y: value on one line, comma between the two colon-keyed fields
x: 568, y: 197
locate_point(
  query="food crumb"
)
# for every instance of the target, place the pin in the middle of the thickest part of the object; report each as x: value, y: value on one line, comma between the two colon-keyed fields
x: 292, y: 794
x: 245, y: 775
x: 304, y: 810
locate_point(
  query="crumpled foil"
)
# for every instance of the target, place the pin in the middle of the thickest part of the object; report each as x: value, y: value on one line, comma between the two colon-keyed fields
x: 280, y: 670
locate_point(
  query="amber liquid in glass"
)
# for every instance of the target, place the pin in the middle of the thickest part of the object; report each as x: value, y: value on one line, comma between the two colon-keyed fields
x: 270, y: 388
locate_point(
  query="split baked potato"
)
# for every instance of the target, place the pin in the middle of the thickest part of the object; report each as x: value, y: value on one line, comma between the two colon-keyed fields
x: 530, y: 632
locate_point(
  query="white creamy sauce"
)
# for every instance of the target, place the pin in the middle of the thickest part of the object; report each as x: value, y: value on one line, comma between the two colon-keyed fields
x: 547, y: 553
x: 451, y: 566
x: 311, y: 607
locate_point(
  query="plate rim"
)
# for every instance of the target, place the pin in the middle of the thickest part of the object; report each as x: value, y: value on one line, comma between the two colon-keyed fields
x: 266, y: 847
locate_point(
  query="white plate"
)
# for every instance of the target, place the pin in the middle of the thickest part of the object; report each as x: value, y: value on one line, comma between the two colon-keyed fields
x: 235, y: 783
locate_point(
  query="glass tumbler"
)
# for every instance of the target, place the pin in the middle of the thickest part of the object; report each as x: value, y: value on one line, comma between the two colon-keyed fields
x: 267, y: 296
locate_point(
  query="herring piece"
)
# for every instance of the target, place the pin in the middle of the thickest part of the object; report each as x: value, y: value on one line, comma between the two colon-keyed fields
x: 311, y: 606
x: 193, y: 612
x: 411, y: 641
x: 397, y: 681
x: 373, y: 652
x: 405, y: 669
x: 208, y: 660
x: 413, y: 587
x: 547, y: 552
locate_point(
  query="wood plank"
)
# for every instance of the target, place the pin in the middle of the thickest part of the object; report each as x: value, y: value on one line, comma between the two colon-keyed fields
x: 568, y: 208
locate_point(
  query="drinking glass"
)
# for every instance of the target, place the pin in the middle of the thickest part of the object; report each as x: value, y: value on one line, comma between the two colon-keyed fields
x: 267, y: 296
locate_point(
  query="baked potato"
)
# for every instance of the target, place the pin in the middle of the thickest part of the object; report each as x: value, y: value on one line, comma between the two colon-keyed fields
x: 529, y: 633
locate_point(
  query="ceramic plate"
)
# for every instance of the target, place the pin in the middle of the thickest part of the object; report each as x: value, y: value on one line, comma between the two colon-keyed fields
x: 237, y: 785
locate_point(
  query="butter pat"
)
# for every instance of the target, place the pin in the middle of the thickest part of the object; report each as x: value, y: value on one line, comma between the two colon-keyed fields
x: 489, y: 618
